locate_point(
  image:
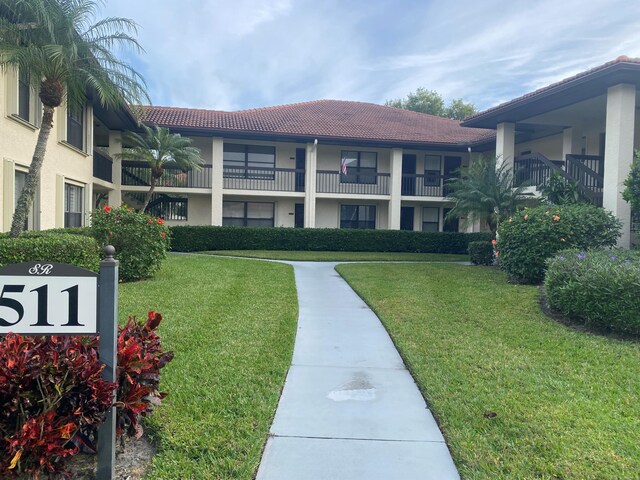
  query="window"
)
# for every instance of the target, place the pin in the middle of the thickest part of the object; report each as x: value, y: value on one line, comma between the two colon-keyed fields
x: 249, y: 161
x: 75, y: 127
x: 73, y: 201
x: 248, y: 214
x: 24, y: 95
x: 361, y: 167
x: 358, y: 216
x: 169, y: 208
x: 430, y: 219
x: 432, y: 170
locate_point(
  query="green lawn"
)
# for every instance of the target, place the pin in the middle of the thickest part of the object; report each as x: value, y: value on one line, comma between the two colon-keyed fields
x: 231, y: 324
x: 342, y: 256
x: 518, y: 396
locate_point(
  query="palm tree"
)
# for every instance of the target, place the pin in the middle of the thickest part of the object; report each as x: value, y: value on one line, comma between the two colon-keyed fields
x: 160, y: 149
x: 485, y: 192
x: 65, y: 55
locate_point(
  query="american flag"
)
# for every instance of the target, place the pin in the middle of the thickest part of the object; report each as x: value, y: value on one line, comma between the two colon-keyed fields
x: 343, y: 166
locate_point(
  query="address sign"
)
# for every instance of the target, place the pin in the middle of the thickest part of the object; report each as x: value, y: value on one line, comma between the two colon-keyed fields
x: 40, y: 298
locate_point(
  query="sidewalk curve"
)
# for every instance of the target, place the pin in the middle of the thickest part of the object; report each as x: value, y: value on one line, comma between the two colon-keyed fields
x: 349, y: 410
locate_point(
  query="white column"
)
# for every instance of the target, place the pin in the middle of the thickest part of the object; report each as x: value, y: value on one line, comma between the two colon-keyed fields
x: 217, y: 180
x: 618, y: 153
x: 311, y: 158
x: 570, y: 142
x: 115, y: 147
x: 395, y: 189
x: 505, y: 144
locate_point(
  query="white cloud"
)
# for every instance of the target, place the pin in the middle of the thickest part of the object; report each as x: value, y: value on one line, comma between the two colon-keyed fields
x: 250, y: 53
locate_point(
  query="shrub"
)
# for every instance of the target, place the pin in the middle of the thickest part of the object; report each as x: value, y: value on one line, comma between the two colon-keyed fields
x: 141, y: 241
x: 533, y: 235
x: 51, y: 391
x: 77, y: 250
x: 140, y: 358
x: 481, y: 253
x: 599, y: 287
x: 50, y: 388
x: 200, y: 238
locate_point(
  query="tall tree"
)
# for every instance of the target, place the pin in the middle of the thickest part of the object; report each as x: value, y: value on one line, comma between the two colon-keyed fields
x: 160, y: 149
x: 485, y: 192
x: 431, y: 102
x: 65, y: 55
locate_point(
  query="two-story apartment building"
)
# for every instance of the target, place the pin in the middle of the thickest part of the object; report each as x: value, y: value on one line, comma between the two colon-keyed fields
x: 336, y: 164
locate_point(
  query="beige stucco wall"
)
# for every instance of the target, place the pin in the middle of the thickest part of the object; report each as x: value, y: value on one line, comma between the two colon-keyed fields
x: 62, y: 162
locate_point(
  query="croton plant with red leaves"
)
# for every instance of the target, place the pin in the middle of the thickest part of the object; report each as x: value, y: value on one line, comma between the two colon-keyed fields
x: 52, y: 393
x: 50, y: 388
x: 140, y: 358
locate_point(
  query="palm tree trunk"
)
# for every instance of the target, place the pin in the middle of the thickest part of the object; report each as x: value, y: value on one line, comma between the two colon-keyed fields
x: 33, y: 177
x: 147, y: 198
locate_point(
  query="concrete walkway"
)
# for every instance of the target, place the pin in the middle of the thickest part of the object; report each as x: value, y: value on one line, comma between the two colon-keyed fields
x: 349, y: 409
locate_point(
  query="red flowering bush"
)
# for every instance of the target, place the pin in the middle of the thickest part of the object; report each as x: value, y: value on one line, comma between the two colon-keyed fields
x: 50, y: 388
x: 531, y: 236
x: 51, y: 391
x: 140, y: 358
x: 141, y: 241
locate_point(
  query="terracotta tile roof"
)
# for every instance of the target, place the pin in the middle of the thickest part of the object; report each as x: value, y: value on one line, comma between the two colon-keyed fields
x: 332, y: 119
x: 541, y: 91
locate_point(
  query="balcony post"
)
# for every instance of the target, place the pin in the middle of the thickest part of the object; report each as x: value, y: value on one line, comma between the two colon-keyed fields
x: 310, y: 185
x: 618, y: 153
x: 115, y: 147
x: 395, y: 189
x: 217, y: 180
x: 505, y: 144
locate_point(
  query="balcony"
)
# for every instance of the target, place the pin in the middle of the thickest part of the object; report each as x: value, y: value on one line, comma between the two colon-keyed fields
x: 370, y: 183
x: 102, y: 167
x: 139, y: 174
x: 262, y: 178
x: 418, y: 185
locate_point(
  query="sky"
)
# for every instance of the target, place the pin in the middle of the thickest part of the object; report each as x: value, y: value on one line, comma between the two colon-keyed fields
x: 242, y: 54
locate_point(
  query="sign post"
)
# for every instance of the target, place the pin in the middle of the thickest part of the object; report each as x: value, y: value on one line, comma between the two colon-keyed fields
x: 108, y: 330
x: 42, y: 298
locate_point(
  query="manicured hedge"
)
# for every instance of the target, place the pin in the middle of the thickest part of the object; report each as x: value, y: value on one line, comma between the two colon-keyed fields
x: 60, y: 248
x: 598, y: 287
x: 481, y: 253
x: 201, y: 238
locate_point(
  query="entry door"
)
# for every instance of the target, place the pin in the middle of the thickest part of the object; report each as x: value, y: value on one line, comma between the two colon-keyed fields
x: 406, y: 218
x: 301, y: 155
x: 298, y: 216
x: 408, y: 168
x: 451, y: 170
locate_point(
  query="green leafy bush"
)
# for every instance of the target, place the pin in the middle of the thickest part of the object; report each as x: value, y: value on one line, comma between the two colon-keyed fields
x: 533, y: 235
x: 598, y: 287
x: 141, y: 241
x: 77, y: 250
x: 481, y: 253
x: 201, y: 238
